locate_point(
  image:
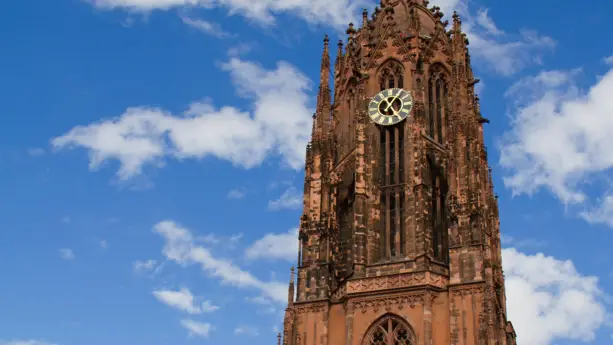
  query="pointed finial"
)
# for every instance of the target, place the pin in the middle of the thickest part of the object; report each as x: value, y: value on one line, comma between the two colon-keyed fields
x: 457, y: 22
x: 351, y: 30
x: 292, y: 271
x: 279, y: 338
x: 364, y: 18
x: 314, y: 127
x: 326, y: 44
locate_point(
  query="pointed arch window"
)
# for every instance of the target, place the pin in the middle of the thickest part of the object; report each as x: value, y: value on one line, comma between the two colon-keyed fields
x: 389, y: 330
x: 391, y: 170
x: 438, y: 213
x: 437, y: 99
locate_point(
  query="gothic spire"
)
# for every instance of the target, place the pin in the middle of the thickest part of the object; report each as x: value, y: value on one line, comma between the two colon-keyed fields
x: 459, y: 40
x: 364, y: 18
x: 323, y: 98
x: 457, y: 23
x: 290, y: 290
x: 324, y: 78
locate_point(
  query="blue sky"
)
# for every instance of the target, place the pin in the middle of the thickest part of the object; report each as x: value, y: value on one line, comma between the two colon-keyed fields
x: 151, y: 155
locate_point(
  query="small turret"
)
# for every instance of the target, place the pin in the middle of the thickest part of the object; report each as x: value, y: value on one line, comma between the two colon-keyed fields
x: 324, y: 78
x: 364, y: 18
x: 457, y: 22
x: 290, y: 290
x: 322, y: 117
x: 459, y: 41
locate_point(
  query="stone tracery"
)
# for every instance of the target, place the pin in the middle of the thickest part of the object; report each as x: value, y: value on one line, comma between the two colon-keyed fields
x: 389, y: 330
x: 391, y: 209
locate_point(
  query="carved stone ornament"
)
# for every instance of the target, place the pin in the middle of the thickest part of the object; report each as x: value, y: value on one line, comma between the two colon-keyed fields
x: 340, y: 292
x: 396, y: 281
x: 468, y: 291
x: 387, y: 303
x: 311, y: 308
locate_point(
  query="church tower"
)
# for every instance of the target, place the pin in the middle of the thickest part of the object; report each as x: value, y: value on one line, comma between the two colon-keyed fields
x: 400, y: 236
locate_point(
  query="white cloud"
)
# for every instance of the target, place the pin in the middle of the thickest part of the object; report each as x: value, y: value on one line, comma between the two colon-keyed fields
x: 548, y: 300
x: 36, y: 152
x: 210, y: 28
x: 608, y: 60
x: 236, y: 194
x: 502, y: 52
x: 259, y: 300
x: 180, y: 247
x: 265, y: 305
x: 240, y: 49
x: 560, y: 139
x: 24, y: 342
x: 147, y: 136
x: 337, y: 13
x: 484, y: 21
x: 521, y: 243
x: 290, y: 199
x: 210, y: 239
x: 197, y: 329
x: 143, y: 266
x: 247, y: 331
x: 602, y: 213
x: 103, y: 244
x: 67, y: 254
x: 184, y: 301
x: 208, y: 307
x: 275, y: 246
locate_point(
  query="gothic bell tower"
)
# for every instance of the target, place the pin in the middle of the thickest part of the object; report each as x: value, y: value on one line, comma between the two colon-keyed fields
x: 400, y: 237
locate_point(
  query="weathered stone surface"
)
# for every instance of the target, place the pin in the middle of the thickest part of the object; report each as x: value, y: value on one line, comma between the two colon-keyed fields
x: 400, y: 230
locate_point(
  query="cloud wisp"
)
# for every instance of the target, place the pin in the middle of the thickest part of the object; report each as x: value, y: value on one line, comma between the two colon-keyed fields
x: 560, y: 141
x: 145, y: 136
x: 180, y: 247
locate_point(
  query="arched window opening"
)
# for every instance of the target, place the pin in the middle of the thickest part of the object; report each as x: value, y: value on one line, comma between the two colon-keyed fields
x: 391, y: 170
x: 437, y: 100
x: 389, y: 330
x: 438, y: 214
x: 347, y: 123
x: 344, y: 221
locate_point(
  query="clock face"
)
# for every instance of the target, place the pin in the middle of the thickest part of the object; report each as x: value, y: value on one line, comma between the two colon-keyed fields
x: 390, y: 106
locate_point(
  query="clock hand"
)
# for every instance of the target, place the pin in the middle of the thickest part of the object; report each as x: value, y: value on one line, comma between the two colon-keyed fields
x: 389, y: 104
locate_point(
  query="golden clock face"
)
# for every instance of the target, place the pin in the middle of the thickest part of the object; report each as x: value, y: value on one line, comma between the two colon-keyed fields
x: 390, y: 106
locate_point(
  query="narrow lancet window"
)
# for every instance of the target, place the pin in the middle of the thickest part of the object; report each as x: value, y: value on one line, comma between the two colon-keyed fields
x: 437, y: 100
x: 391, y: 169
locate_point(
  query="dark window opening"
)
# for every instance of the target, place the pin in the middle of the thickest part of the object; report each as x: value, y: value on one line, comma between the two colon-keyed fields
x: 401, y: 154
x: 439, y: 112
x: 392, y: 225
x: 438, y: 215
x: 402, y: 195
x: 430, y: 110
x: 392, y: 156
x: 392, y: 170
x: 437, y: 103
